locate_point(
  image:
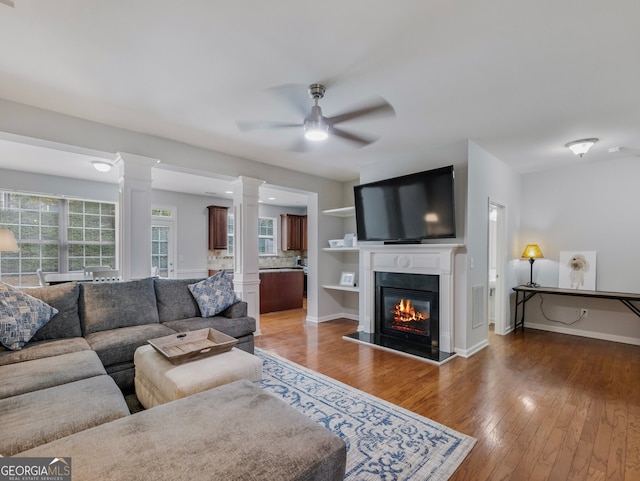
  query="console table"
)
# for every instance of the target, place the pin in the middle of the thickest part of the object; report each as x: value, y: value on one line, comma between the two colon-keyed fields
x: 524, y: 293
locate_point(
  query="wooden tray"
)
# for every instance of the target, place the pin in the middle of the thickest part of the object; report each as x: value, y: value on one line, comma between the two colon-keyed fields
x: 192, y: 345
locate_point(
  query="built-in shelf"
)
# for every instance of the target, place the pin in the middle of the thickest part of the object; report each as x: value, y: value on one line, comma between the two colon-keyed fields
x: 341, y: 249
x: 342, y: 288
x: 341, y: 212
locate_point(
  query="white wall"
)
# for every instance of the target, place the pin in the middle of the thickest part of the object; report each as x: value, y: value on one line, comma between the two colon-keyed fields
x: 591, y: 207
x: 490, y: 179
x: 58, y: 186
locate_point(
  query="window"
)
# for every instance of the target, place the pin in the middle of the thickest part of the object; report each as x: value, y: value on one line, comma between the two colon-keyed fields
x: 55, y: 235
x: 266, y: 236
x: 230, y: 234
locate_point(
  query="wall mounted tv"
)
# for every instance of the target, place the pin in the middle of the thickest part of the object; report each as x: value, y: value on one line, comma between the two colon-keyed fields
x: 408, y: 208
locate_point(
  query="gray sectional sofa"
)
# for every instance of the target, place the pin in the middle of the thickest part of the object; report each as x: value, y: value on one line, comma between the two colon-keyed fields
x: 113, y: 319
x: 63, y: 394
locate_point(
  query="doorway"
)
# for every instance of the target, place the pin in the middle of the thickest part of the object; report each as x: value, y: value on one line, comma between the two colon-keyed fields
x: 496, y: 265
x: 163, y: 242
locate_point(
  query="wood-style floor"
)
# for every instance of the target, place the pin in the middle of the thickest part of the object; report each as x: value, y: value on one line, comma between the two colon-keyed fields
x: 542, y: 406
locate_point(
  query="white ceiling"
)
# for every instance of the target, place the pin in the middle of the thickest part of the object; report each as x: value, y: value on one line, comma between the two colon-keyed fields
x: 521, y: 78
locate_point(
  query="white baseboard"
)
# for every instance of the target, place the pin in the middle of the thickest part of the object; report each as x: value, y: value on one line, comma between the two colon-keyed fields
x: 577, y: 332
x: 331, y: 317
x: 474, y: 349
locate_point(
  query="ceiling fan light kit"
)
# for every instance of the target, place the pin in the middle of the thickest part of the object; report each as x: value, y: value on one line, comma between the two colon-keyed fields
x: 581, y: 147
x: 316, y: 127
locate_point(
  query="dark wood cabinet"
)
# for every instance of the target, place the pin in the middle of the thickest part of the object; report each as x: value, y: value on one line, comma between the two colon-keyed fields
x: 293, y: 232
x: 280, y: 291
x: 217, y: 227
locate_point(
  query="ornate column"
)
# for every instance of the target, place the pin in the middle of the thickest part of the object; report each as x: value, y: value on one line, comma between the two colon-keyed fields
x: 246, y: 279
x: 135, y: 215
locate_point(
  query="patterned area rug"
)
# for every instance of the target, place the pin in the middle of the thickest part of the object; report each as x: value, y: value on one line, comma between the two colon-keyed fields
x: 384, y: 441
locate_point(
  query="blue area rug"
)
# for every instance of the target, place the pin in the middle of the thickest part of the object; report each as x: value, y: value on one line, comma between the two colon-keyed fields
x: 384, y: 441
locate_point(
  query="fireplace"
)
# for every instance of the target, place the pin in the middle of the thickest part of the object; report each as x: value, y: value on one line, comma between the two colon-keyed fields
x: 433, y: 265
x: 407, y: 307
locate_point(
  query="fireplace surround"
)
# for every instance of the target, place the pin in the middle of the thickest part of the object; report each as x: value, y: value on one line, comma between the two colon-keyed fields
x: 434, y: 265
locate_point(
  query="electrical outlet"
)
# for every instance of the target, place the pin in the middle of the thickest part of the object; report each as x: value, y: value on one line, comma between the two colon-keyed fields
x: 584, y: 313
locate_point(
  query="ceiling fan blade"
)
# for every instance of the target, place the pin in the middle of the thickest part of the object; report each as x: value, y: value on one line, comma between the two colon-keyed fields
x: 358, y: 139
x: 8, y: 3
x: 295, y: 95
x: 265, y: 124
x: 300, y: 145
x: 379, y: 108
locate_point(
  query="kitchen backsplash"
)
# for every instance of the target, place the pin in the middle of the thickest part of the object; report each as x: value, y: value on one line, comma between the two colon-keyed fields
x: 219, y: 259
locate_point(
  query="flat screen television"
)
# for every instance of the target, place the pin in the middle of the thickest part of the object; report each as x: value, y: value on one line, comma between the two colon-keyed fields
x: 407, y: 208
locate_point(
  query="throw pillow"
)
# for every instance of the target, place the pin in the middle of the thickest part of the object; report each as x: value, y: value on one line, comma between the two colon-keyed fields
x: 214, y: 294
x: 21, y: 315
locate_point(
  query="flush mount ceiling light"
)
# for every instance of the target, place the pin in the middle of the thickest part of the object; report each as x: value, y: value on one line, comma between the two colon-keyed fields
x: 581, y: 147
x: 102, y: 165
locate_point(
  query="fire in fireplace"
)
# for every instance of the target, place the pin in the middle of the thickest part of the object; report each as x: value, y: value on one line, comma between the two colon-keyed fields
x: 407, y: 307
x: 407, y: 318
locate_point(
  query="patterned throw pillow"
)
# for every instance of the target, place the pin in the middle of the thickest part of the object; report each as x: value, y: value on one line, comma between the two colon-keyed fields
x: 214, y: 294
x: 21, y: 315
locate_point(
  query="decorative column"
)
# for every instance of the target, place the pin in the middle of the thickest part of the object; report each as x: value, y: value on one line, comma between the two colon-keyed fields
x: 135, y: 215
x: 246, y: 280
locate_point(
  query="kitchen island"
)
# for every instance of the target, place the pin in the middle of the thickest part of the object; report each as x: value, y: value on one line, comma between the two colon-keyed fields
x: 281, y: 289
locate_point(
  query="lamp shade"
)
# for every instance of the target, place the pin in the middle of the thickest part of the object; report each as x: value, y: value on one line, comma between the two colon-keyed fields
x: 532, y: 251
x: 8, y: 241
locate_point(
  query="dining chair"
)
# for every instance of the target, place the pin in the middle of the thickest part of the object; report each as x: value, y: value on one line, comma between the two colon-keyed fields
x: 111, y: 275
x: 41, y: 279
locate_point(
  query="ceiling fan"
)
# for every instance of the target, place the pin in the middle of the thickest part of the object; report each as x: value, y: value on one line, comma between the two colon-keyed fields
x: 316, y: 127
x: 8, y: 3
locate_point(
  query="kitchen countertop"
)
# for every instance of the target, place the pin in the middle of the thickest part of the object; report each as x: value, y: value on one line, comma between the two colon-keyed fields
x: 281, y: 269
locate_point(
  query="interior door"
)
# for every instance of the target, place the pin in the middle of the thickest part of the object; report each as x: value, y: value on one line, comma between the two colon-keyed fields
x: 496, y: 274
x: 162, y: 249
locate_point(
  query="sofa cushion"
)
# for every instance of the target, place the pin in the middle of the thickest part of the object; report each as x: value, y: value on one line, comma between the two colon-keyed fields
x: 118, y: 345
x: 235, y: 327
x: 39, y: 350
x: 21, y: 315
x: 66, y: 323
x: 29, y: 376
x: 239, y: 309
x: 109, y: 305
x: 175, y: 300
x: 233, y: 432
x: 38, y: 417
x: 214, y: 294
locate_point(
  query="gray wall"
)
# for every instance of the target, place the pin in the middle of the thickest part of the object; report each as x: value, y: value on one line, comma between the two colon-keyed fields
x: 30, y: 122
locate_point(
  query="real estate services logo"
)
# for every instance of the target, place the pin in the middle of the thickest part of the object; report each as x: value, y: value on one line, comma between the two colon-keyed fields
x: 35, y: 469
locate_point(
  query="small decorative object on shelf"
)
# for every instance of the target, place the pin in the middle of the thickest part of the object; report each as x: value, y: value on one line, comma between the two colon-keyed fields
x: 349, y: 240
x: 348, y: 279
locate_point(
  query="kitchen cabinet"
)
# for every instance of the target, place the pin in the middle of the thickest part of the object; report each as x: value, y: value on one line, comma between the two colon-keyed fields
x: 293, y: 232
x: 217, y: 227
x: 281, y: 290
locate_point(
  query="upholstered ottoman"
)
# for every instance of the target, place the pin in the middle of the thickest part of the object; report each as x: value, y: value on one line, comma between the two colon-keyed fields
x: 236, y: 432
x: 158, y: 381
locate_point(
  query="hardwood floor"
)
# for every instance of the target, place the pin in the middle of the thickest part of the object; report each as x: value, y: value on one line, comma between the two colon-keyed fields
x: 542, y: 406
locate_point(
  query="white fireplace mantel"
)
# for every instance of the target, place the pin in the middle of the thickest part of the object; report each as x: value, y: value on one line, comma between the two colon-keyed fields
x: 430, y: 259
